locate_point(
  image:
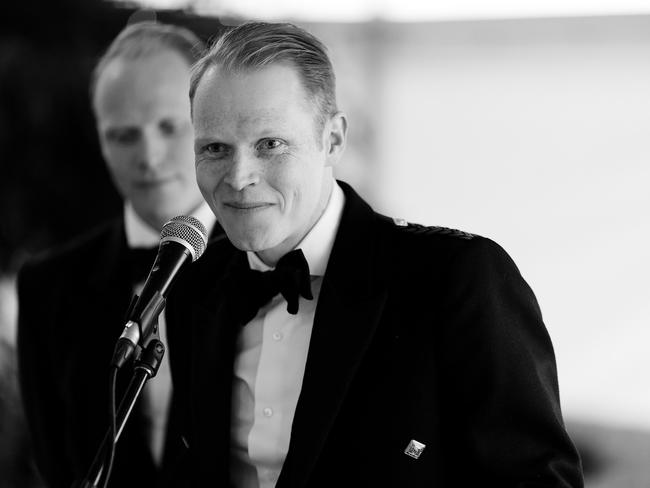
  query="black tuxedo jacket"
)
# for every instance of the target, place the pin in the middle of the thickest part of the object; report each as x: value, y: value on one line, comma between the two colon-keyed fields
x: 420, y: 333
x: 72, y: 306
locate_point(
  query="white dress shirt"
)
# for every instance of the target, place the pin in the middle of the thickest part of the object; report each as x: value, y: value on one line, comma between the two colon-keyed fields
x: 270, y: 364
x: 157, y: 391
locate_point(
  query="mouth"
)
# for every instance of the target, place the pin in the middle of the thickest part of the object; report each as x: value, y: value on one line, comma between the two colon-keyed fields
x: 151, y: 183
x: 247, y: 206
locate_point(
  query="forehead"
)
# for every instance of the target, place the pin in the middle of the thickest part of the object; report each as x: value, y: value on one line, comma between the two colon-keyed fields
x: 139, y: 89
x: 271, y: 95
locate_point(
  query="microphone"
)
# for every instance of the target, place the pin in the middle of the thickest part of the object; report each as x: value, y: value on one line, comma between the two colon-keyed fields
x: 182, y: 241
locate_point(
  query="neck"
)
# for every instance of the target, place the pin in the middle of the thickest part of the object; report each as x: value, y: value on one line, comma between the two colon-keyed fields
x: 271, y: 256
x: 156, y: 222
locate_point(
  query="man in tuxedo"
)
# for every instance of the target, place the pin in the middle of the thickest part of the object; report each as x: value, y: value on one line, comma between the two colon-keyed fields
x: 72, y: 301
x: 325, y: 345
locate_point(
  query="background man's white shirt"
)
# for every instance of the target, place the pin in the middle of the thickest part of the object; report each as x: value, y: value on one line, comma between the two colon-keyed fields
x: 157, y: 392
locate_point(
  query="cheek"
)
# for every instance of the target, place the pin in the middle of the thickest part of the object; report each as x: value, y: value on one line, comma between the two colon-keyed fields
x: 181, y: 154
x: 183, y: 147
x: 207, y: 177
x: 188, y: 172
x: 119, y: 159
x: 121, y: 175
x: 307, y: 188
x: 291, y: 183
x: 123, y: 179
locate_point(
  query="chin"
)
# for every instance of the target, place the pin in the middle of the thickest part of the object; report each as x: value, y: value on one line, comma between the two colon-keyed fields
x: 247, y: 244
x: 253, y: 240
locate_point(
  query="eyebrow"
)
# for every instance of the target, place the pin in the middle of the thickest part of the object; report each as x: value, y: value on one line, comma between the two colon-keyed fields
x: 200, y: 141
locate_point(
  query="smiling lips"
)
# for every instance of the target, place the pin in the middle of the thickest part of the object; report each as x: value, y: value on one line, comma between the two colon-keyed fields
x: 152, y: 183
x: 247, y: 206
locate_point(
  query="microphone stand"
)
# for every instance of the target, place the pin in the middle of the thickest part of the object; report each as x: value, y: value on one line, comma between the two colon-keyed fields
x: 145, y: 367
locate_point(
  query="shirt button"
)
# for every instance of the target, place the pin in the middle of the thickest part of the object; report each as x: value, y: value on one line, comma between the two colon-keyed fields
x: 277, y: 336
x: 267, y: 412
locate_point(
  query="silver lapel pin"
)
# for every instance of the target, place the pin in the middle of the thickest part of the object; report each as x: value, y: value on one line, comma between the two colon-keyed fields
x: 414, y: 449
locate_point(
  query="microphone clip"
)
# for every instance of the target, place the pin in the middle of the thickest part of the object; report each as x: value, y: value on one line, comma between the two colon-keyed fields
x: 132, y: 335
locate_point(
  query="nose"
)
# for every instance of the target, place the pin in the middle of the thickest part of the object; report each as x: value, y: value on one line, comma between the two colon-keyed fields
x: 242, y: 171
x: 152, y: 152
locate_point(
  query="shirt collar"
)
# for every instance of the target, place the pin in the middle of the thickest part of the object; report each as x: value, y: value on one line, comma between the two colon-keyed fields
x: 317, y: 244
x: 140, y: 234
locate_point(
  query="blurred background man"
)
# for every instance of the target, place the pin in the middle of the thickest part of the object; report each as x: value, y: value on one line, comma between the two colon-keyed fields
x: 72, y: 300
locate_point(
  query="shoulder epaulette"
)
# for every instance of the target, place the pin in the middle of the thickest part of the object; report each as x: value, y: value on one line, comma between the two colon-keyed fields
x: 419, y: 229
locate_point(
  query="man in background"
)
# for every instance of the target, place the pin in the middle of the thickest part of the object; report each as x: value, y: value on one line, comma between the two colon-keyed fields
x: 72, y: 301
x: 324, y: 345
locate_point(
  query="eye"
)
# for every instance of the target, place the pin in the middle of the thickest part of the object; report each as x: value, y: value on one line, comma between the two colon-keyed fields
x: 167, y: 127
x: 270, y: 144
x: 124, y: 136
x: 216, y: 149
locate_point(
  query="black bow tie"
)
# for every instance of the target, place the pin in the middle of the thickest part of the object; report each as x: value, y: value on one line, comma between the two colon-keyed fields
x: 289, y: 278
x: 140, y: 262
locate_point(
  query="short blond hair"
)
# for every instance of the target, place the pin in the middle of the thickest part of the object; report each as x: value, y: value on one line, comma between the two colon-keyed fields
x: 257, y: 44
x: 146, y: 39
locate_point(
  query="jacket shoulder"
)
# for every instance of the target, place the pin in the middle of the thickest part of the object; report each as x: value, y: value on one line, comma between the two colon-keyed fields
x: 401, y: 228
x: 74, y: 255
x: 430, y: 230
x: 421, y: 246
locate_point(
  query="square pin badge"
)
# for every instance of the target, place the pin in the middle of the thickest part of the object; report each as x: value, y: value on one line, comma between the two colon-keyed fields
x: 414, y: 449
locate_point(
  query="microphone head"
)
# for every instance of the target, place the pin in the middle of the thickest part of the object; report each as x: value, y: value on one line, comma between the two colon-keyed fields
x: 188, y: 231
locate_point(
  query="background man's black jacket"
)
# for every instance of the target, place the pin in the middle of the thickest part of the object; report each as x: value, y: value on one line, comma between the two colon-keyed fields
x: 72, y: 307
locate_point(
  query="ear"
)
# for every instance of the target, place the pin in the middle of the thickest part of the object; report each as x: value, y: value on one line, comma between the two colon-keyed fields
x: 336, y: 133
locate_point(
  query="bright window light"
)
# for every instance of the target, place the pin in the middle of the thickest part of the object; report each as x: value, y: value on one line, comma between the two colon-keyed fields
x: 402, y: 10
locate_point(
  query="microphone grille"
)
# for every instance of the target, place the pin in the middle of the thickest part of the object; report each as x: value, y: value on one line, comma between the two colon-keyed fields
x: 187, y: 230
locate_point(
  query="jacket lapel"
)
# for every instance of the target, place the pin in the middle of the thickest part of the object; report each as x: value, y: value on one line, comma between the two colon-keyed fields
x: 103, y: 302
x: 348, y: 311
x: 214, y: 332
x: 98, y: 308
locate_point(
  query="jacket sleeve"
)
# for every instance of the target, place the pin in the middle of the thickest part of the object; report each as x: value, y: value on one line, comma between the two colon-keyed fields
x: 499, y: 366
x: 37, y: 375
